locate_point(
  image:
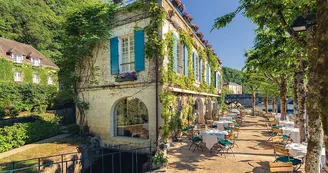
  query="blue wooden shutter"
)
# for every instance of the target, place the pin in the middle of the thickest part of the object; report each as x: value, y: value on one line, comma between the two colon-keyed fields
x: 215, y: 76
x: 175, y: 53
x: 219, y: 81
x: 186, y: 60
x: 194, y: 62
x: 207, y: 74
x: 200, y: 70
x: 114, y: 62
x: 139, y: 44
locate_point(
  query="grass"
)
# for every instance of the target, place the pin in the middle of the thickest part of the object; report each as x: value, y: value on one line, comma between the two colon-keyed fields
x: 65, y: 145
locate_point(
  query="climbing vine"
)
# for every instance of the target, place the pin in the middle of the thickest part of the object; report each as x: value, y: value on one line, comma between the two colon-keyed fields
x: 9, y: 67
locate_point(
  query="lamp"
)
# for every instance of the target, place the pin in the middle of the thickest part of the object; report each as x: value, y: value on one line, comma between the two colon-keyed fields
x: 301, y: 24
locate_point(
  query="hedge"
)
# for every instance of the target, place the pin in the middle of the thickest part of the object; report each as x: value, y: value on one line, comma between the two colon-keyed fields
x: 25, y: 97
x: 25, y: 133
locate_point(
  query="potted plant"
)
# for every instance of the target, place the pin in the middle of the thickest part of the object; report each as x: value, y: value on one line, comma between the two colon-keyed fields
x: 200, y: 35
x: 179, y: 5
x: 195, y: 27
x: 205, y: 42
x: 187, y: 17
x: 159, y: 160
x: 129, y: 76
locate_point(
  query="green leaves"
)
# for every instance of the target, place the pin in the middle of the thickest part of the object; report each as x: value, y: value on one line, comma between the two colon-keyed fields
x: 223, y: 21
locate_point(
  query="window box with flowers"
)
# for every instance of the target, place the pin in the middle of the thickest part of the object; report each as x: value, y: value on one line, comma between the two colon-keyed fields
x: 187, y: 17
x: 179, y: 5
x: 129, y: 76
x: 195, y: 27
x: 200, y: 35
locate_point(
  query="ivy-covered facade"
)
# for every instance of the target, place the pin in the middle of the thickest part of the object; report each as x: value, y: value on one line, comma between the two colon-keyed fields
x: 22, y: 64
x: 153, y: 77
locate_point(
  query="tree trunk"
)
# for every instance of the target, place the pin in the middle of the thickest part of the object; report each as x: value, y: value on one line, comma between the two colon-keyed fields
x: 273, y: 104
x: 312, y: 163
x: 295, y: 100
x: 266, y: 104
x: 322, y: 62
x: 283, y: 98
x: 301, y: 98
x: 253, y: 103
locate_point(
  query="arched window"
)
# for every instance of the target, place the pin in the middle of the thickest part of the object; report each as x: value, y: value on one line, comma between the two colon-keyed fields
x: 131, y: 117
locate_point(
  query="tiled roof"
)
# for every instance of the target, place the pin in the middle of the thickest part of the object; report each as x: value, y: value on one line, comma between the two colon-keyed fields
x: 11, y: 46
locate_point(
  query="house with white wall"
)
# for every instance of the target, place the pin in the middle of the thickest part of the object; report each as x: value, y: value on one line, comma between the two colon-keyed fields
x: 146, y: 76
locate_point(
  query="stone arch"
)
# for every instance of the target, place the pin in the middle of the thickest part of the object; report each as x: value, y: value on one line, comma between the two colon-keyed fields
x: 199, y: 111
x: 130, y: 118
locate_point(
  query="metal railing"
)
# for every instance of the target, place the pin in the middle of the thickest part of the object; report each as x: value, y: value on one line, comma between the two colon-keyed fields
x: 99, y: 161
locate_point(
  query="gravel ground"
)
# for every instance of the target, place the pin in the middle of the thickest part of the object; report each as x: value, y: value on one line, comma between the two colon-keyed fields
x: 253, y: 154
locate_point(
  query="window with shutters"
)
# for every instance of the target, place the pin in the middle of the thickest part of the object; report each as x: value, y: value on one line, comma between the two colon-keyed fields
x: 35, y: 78
x: 180, y: 57
x: 18, y: 76
x: 127, y: 54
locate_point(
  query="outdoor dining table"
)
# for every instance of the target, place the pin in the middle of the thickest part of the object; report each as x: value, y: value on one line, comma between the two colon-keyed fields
x: 235, y: 111
x: 227, y: 118
x: 211, y: 137
x: 299, y: 151
x: 286, y: 123
x: 294, y: 133
x: 221, y: 124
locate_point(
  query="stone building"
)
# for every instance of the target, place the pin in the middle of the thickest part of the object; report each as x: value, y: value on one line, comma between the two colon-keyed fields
x: 145, y: 80
x: 234, y: 87
x: 22, y: 63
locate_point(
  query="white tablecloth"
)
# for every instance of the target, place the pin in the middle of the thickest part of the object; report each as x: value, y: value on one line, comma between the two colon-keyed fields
x: 210, y: 137
x: 226, y: 118
x: 294, y: 133
x: 235, y: 111
x: 286, y: 123
x: 300, y: 150
x: 220, y: 124
x: 277, y: 116
x: 232, y: 115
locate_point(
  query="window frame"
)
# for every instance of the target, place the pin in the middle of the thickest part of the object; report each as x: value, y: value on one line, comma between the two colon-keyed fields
x: 115, y: 116
x: 14, y: 57
x: 52, y: 80
x: 18, y: 79
x: 121, y: 64
x: 33, y: 60
x: 37, y: 77
x: 180, y: 57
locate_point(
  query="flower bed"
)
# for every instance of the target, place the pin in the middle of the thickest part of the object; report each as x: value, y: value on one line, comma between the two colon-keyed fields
x: 195, y: 27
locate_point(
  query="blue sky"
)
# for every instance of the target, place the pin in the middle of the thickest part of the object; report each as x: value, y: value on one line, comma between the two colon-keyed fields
x: 229, y: 42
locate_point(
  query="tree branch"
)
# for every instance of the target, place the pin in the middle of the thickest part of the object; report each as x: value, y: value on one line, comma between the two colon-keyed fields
x: 270, y: 77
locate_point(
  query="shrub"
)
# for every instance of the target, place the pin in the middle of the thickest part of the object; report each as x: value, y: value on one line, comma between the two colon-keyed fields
x: 73, y: 128
x: 23, y: 133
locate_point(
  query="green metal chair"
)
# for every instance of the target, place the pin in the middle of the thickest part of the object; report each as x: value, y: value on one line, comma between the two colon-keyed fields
x: 282, y: 155
x: 227, y: 143
x: 197, y: 141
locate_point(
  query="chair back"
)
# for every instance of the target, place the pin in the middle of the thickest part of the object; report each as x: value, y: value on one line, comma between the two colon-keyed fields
x: 281, y: 167
x: 278, y: 131
x: 271, y: 119
x: 209, y: 121
x: 236, y: 129
x: 201, y: 127
x: 280, y: 151
x: 230, y: 137
x: 231, y: 124
x: 277, y: 139
x: 239, y: 121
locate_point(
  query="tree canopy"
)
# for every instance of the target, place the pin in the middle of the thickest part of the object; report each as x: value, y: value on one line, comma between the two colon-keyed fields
x: 232, y: 75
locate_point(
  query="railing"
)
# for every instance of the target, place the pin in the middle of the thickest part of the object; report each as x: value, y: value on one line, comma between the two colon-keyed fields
x: 114, y: 159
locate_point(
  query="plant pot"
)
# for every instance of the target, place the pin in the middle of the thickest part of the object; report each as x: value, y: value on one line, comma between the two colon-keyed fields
x: 177, y: 6
x: 125, y: 79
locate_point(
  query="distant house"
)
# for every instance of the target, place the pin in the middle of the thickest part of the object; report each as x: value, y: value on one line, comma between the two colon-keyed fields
x: 234, y: 87
x: 22, y: 63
